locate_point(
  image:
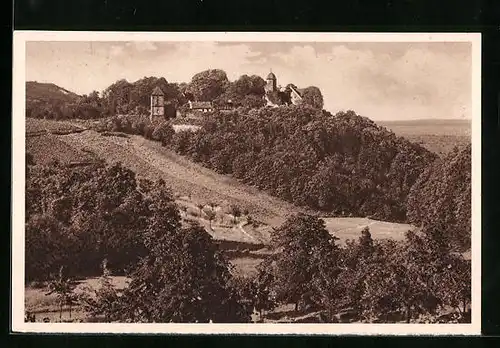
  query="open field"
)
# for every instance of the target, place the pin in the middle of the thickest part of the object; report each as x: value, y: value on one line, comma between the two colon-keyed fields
x: 438, y: 136
x: 38, y: 126
x: 43, y: 306
x: 149, y: 159
x: 192, y: 184
x: 350, y: 228
x: 48, y: 148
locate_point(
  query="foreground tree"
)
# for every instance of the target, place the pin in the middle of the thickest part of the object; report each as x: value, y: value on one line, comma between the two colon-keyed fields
x: 304, y: 247
x: 183, y: 279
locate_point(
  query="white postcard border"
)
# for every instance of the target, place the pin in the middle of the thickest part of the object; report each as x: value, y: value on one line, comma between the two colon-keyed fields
x: 18, y: 182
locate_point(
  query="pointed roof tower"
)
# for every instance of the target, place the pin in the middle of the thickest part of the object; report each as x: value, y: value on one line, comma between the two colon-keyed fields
x: 157, y: 91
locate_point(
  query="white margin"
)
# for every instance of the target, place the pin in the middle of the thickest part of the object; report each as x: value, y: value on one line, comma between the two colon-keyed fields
x: 18, y: 178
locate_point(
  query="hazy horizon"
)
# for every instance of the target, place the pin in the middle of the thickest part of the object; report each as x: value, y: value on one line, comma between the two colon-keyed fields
x: 382, y: 81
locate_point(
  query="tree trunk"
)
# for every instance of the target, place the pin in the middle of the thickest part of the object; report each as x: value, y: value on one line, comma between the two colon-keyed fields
x: 408, y: 313
x: 60, y: 311
x: 296, y: 306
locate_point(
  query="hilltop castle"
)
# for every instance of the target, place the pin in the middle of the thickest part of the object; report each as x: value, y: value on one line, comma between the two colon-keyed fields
x: 276, y: 95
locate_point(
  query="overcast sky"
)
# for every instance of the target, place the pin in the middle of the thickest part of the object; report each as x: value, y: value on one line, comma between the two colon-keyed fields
x: 383, y: 81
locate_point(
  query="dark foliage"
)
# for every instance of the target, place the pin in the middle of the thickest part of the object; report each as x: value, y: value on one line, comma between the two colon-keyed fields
x: 83, y: 217
x: 208, y: 85
x: 374, y: 281
x: 440, y: 200
x: 159, y: 129
x: 78, y: 216
x: 340, y: 164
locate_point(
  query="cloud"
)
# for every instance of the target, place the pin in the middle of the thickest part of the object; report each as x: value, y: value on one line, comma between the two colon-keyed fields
x: 377, y: 80
x: 420, y: 83
x: 187, y: 59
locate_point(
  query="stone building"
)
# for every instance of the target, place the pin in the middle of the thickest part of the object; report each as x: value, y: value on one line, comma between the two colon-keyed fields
x: 276, y: 95
x: 200, y: 106
x: 157, y: 103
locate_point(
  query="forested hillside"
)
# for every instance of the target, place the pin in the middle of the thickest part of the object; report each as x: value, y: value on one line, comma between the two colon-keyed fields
x: 81, y: 219
x: 340, y: 164
x: 48, y: 92
x: 44, y: 100
x: 440, y: 200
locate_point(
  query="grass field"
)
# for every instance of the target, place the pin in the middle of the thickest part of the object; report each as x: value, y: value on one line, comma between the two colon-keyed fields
x: 34, y: 125
x: 38, y: 302
x: 48, y: 148
x: 149, y: 159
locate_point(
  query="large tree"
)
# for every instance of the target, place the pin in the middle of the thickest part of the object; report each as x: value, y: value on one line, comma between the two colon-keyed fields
x: 313, y: 97
x: 303, y: 247
x: 208, y: 85
x: 97, y: 211
x: 184, y: 278
x: 247, y: 91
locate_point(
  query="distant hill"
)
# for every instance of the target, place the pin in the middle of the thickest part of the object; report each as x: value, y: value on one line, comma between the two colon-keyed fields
x: 429, y: 127
x: 437, y: 135
x: 48, y: 92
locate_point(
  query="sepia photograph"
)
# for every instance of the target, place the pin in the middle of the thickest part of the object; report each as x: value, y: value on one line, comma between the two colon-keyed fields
x: 246, y: 183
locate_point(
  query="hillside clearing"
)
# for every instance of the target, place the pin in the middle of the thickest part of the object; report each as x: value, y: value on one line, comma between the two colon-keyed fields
x: 350, y: 228
x: 37, y: 126
x: 48, y: 148
x: 149, y: 159
x: 201, y: 185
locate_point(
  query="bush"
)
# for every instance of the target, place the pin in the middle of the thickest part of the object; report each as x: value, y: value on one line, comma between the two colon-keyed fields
x: 163, y: 133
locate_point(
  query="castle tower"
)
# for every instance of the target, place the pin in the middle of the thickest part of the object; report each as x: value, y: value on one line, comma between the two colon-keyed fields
x: 157, y: 103
x: 270, y: 82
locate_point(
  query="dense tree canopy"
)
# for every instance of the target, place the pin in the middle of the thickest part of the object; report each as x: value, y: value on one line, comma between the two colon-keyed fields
x: 313, y: 97
x: 208, y: 85
x: 79, y: 216
x: 304, y: 247
x: 247, y: 91
x: 341, y: 164
x: 123, y: 97
x: 184, y: 278
x: 368, y: 280
x: 440, y: 200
